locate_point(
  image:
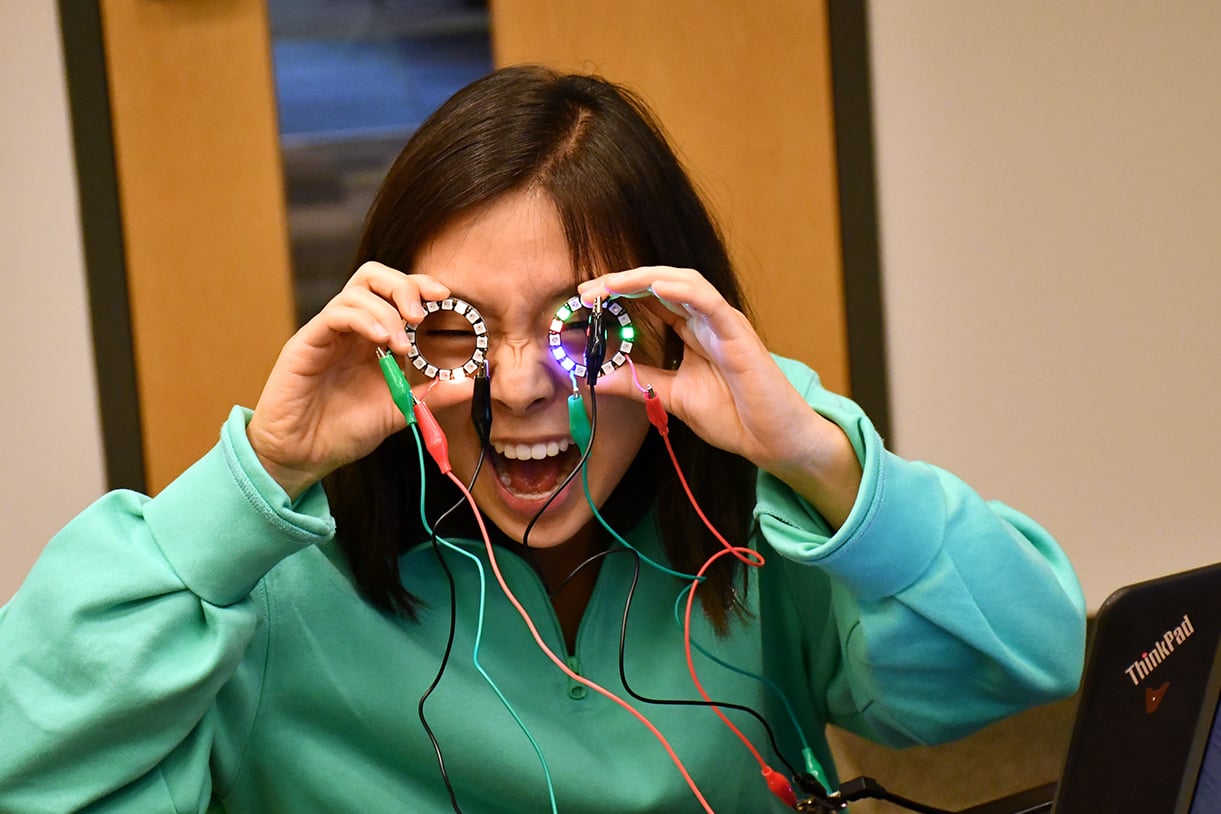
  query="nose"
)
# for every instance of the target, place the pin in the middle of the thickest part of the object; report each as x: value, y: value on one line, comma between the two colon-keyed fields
x: 525, y: 377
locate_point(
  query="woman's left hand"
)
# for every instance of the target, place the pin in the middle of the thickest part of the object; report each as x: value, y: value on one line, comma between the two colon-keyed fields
x: 729, y: 390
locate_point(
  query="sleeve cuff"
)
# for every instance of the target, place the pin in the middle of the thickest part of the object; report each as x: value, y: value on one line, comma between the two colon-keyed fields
x: 889, y: 538
x: 224, y: 523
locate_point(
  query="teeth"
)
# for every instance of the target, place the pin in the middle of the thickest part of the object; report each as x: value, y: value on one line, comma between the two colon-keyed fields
x: 525, y: 452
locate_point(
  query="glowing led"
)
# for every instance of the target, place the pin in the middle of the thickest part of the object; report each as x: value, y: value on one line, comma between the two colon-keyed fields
x: 570, y: 309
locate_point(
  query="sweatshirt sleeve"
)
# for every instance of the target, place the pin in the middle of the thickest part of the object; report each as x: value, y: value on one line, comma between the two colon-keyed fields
x: 132, y: 624
x: 950, y: 611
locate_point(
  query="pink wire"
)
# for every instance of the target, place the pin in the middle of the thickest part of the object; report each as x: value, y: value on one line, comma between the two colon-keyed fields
x: 431, y: 385
x: 560, y: 663
x: 635, y: 378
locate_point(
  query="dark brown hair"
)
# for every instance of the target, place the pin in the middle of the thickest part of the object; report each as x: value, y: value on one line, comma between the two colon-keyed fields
x: 624, y: 200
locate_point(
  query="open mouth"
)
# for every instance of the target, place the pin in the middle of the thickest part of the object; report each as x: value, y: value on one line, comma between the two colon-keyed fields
x: 533, y: 471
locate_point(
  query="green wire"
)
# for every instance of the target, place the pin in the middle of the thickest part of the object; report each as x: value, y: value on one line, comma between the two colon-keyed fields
x: 479, y: 627
x: 619, y: 539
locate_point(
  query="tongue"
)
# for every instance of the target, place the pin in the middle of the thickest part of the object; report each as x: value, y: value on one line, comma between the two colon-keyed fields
x: 530, y: 477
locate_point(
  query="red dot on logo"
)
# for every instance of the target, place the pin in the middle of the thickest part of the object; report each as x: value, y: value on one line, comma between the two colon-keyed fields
x: 1144, y: 655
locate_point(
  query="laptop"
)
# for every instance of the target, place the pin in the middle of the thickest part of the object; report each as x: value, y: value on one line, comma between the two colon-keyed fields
x: 1147, y: 733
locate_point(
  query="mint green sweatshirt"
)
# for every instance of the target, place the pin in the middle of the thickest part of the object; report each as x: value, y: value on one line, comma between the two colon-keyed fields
x: 207, y: 648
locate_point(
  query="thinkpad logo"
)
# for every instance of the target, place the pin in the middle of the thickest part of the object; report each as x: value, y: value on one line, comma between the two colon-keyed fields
x: 1161, y: 650
x: 1153, y: 698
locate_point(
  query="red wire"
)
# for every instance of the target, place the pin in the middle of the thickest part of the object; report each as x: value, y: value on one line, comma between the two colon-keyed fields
x: 560, y: 662
x: 657, y: 415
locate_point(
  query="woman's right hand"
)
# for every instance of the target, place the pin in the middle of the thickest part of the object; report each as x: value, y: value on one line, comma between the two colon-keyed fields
x: 326, y: 402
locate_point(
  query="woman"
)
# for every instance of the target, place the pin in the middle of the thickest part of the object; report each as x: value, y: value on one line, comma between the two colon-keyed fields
x: 278, y: 631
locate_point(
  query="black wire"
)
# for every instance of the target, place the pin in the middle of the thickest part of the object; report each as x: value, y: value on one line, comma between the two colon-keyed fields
x: 627, y: 607
x: 861, y: 787
x: 588, y: 560
x: 449, y: 642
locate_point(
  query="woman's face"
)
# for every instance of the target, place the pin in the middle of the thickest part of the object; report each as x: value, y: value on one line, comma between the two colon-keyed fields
x: 511, y: 261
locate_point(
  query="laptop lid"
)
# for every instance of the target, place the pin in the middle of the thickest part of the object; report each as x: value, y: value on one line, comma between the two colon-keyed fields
x: 1141, y: 737
x: 1204, y: 788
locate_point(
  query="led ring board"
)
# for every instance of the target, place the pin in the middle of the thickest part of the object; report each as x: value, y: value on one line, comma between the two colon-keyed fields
x: 565, y: 313
x: 479, y: 351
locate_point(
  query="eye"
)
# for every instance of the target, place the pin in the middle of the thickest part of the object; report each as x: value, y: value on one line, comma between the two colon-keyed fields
x: 572, y: 338
x: 447, y: 338
x: 568, y: 329
x: 580, y: 326
x: 445, y: 335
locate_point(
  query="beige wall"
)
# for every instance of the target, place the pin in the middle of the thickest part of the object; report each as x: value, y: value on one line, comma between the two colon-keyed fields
x: 1050, y: 202
x: 50, y: 443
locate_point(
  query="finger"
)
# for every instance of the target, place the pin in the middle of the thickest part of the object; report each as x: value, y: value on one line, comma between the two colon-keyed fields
x: 340, y: 318
x: 672, y: 312
x: 703, y: 303
x: 409, y: 294
x: 695, y: 294
x: 675, y: 309
x: 406, y: 291
x: 630, y: 283
x: 684, y: 292
x: 648, y: 302
x: 386, y: 314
